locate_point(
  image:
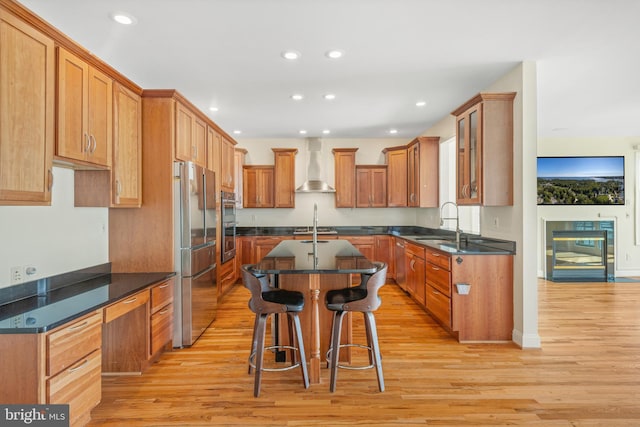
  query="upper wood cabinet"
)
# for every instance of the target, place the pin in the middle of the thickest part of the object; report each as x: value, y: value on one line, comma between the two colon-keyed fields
x: 127, y: 148
x: 371, y: 186
x: 485, y: 150
x: 396, y: 158
x: 258, y: 190
x: 422, y: 172
x: 345, y: 177
x: 85, y: 111
x: 285, y: 175
x: 227, y: 166
x: 27, y: 106
x: 238, y: 158
x: 191, y: 136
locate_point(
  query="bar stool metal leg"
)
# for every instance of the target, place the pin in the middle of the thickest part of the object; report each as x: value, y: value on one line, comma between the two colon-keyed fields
x: 336, y: 331
x: 300, y: 346
x: 372, y: 333
x: 262, y: 326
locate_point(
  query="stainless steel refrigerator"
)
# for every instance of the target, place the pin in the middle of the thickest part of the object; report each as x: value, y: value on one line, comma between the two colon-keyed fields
x: 196, y: 295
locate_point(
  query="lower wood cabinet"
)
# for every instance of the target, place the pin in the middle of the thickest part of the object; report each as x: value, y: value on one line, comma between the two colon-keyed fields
x: 415, y: 270
x: 227, y: 276
x: 161, y: 317
x: 438, y: 291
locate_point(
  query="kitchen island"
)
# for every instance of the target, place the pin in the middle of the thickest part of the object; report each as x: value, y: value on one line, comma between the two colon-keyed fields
x: 313, y: 269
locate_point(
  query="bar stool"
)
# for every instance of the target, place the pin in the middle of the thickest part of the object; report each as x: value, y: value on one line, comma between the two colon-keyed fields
x: 265, y: 301
x: 363, y: 298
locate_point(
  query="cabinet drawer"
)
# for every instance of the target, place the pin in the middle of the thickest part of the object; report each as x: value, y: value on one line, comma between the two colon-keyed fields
x: 358, y: 240
x: 80, y: 386
x: 439, y: 278
x: 439, y: 258
x: 126, y: 305
x: 414, y: 250
x: 439, y: 305
x: 161, y: 328
x: 68, y: 344
x: 161, y: 295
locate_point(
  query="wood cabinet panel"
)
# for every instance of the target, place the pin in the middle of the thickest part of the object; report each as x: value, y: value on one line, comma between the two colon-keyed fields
x: 485, y: 150
x: 422, y: 173
x: 161, y: 328
x: 439, y: 305
x: 371, y: 186
x: 258, y: 186
x: 27, y: 108
x: 396, y: 158
x: 284, y: 180
x: 439, y: 278
x: 126, y: 305
x: 80, y: 386
x: 345, y: 177
x: 227, y: 164
x: 127, y: 148
x: 161, y: 295
x: 69, y: 343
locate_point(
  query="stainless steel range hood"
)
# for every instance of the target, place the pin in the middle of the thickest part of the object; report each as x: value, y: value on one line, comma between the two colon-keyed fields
x: 314, y: 182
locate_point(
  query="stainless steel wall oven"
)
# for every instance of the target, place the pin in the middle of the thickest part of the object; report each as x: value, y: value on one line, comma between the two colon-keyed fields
x: 228, y: 250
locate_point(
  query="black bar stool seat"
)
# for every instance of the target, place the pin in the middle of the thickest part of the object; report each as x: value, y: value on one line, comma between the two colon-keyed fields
x: 362, y: 298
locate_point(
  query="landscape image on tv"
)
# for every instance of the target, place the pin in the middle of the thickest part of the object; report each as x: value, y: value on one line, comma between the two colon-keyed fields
x: 581, y: 180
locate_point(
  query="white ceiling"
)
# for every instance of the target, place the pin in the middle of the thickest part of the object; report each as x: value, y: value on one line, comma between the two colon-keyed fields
x: 227, y: 53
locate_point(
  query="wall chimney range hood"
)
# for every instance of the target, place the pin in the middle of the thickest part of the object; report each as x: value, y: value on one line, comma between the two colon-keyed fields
x: 314, y: 182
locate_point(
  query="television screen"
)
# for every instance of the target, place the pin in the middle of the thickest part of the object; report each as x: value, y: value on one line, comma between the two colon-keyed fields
x: 581, y: 180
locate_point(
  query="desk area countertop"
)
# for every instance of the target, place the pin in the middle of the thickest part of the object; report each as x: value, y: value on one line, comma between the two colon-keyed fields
x: 297, y: 257
x: 42, y: 312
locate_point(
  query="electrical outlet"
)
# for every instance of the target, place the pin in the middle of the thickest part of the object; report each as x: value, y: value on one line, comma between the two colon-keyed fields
x: 495, y: 222
x: 16, y: 275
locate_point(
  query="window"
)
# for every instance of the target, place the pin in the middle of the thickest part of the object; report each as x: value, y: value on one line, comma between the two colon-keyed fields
x: 469, y: 215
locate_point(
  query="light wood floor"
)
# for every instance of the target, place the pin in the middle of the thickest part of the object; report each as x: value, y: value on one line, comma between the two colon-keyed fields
x: 586, y: 374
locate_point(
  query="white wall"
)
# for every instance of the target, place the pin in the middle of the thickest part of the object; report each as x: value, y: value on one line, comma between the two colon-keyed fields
x: 627, y: 254
x: 55, y: 239
x: 369, y: 152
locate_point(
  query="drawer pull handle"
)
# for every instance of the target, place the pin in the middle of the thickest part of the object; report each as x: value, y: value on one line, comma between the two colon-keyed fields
x: 163, y: 312
x: 78, y: 367
x: 436, y: 292
x: 435, y: 268
x: 435, y: 254
x: 130, y: 301
x: 163, y: 286
x: 80, y: 326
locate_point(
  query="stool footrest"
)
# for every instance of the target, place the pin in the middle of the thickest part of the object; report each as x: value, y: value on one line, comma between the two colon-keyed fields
x: 252, y: 357
x: 354, y: 368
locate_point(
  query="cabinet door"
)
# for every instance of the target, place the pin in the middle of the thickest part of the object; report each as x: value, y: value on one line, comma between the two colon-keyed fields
x: 100, y: 114
x: 27, y: 73
x: 397, y: 178
x: 378, y: 187
x: 200, y: 142
x: 184, y: 133
x: 416, y: 278
x: 127, y: 148
x: 469, y: 156
x: 384, y: 246
x: 371, y: 186
x: 73, y: 100
x: 363, y: 188
x: 265, y: 188
x: 413, y: 177
x: 228, y: 165
x: 212, y: 135
x: 345, y: 177
x: 284, y: 180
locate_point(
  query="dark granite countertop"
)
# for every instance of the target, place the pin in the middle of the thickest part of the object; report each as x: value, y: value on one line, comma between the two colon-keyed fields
x: 331, y: 257
x: 64, y: 303
x: 444, y: 240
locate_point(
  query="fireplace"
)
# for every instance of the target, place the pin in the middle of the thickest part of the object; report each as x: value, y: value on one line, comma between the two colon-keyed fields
x: 580, y: 251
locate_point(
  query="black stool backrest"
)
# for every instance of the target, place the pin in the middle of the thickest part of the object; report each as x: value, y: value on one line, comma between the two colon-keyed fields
x: 372, y: 283
x: 257, y: 284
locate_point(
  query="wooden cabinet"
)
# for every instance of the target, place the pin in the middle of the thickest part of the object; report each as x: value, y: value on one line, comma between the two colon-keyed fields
x: 61, y: 366
x: 264, y: 245
x: 239, y: 155
x: 85, y: 111
x: 27, y: 108
x: 285, y: 175
x: 191, y: 136
x: 227, y: 164
x: 384, y: 253
x: 396, y: 159
x: 422, y: 172
x: 345, y: 177
x: 161, y: 321
x: 366, y: 245
x: 258, y: 189
x: 226, y: 276
x: 127, y: 148
x: 371, y: 186
x: 415, y: 272
x: 484, y: 137
x: 438, y: 277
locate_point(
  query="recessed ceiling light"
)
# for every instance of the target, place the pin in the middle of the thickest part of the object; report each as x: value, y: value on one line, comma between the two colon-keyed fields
x: 214, y: 109
x: 329, y: 96
x: 421, y: 103
x: 326, y: 131
x: 393, y: 131
x: 291, y: 55
x: 123, y: 18
x: 297, y: 96
x: 237, y: 132
x: 334, y: 54
x: 302, y: 132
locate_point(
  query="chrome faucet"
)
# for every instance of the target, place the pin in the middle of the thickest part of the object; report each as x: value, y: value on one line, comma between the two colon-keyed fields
x: 457, y: 218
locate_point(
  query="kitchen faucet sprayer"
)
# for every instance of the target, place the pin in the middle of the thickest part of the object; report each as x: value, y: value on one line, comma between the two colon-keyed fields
x: 457, y: 218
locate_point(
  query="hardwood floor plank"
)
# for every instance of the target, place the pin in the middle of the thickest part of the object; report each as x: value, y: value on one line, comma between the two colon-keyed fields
x: 586, y: 374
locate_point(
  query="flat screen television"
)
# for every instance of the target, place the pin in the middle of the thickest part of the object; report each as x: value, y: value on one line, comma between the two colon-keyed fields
x: 586, y: 180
